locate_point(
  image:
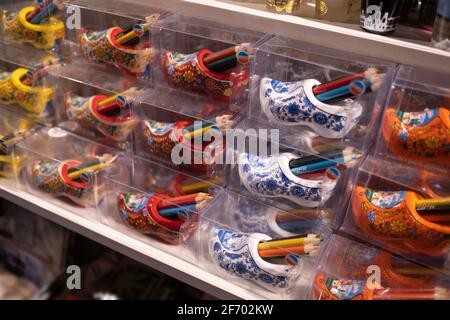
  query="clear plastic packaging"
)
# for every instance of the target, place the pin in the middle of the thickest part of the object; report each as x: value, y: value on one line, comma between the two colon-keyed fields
x: 185, y: 143
x: 142, y: 195
x: 95, y: 50
x: 278, y: 180
x: 65, y: 169
x: 233, y: 241
x: 22, y: 91
x: 23, y: 23
x: 286, y: 75
x: 179, y: 70
x: 415, y: 125
x: 389, y: 214
x: 347, y: 270
x: 13, y: 129
x: 98, y: 115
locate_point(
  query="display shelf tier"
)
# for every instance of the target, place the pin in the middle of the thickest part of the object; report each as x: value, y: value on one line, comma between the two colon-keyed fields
x: 156, y: 255
x: 407, y: 45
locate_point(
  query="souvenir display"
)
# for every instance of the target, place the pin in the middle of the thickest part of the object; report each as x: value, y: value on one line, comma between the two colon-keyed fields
x: 252, y: 157
x: 36, y: 26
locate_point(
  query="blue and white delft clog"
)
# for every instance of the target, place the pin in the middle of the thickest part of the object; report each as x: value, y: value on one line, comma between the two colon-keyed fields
x: 272, y: 177
x: 294, y: 104
x: 237, y: 253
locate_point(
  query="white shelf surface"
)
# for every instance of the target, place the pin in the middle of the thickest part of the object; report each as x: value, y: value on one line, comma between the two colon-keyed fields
x: 408, y: 46
x: 159, y: 256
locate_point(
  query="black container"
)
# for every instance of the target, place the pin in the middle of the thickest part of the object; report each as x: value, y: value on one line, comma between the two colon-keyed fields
x: 380, y: 16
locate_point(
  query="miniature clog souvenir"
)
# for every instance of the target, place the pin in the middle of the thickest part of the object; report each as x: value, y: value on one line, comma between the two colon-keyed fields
x: 188, y: 72
x: 390, y: 216
x: 32, y: 99
x: 294, y: 104
x: 84, y: 111
x: 272, y: 177
x: 140, y: 211
x: 41, y: 36
x: 421, y: 136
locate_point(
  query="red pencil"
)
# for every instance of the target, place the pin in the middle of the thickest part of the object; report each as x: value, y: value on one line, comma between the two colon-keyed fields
x: 337, y: 83
x: 38, y: 9
x: 183, y: 200
x: 219, y: 55
x: 109, y: 107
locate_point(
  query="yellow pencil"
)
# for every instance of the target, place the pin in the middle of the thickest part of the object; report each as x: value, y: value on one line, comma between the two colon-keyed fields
x: 199, y: 132
x: 129, y: 93
x: 132, y: 34
x: 98, y: 167
x: 276, y: 244
x: 193, y: 187
x: 424, y: 204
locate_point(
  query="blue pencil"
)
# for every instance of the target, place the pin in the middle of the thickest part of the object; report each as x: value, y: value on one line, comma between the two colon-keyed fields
x: 320, y: 165
x: 338, y: 92
x: 45, y: 12
x: 206, y: 123
x: 294, y: 225
x: 175, y: 210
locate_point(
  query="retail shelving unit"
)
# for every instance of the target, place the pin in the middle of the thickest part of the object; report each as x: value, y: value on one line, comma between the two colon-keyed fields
x: 415, y: 52
x: 406, y: 46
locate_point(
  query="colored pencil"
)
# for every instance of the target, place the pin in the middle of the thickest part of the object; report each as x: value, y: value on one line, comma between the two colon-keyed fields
x: 270, y: 253
x: 222, y: 64
x: 77, y: 174
x: 432, y: 204
x: 329, y: 155
x: 285, y: 243
x: 290, y: 226
x: 346, y: 156
x: 219, y: 55
x: 175, y: 210
x: 201, y: 185
x: 47, y: 11
x: 207, y: 123
x: 94, y: 162
x: 295, y: 217
x: 38, y: 8
x: 145, y: 27
x: 128, y: 93
x: 184, y: 208
x: 182, y: 200
x: 337, y: 83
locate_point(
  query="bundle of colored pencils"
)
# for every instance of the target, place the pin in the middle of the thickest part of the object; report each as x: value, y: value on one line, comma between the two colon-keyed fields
x: 96, y: 165
x: 434, y: 210
x: 8, y: 142
x: 298, y: 245
x: 349, y: 86
x: 43, y: 11
x: 132, y: 35
x: 179, y: 208
x: 323, y: 161
x: 116, y: 102
x: 199, y: 128
x: 298, y: 220
x: 41, y: 71
x: 223, y: 60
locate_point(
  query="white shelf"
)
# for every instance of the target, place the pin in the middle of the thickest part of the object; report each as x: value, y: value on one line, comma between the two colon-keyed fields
x: 407, y: 46
x: 159, y: 256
